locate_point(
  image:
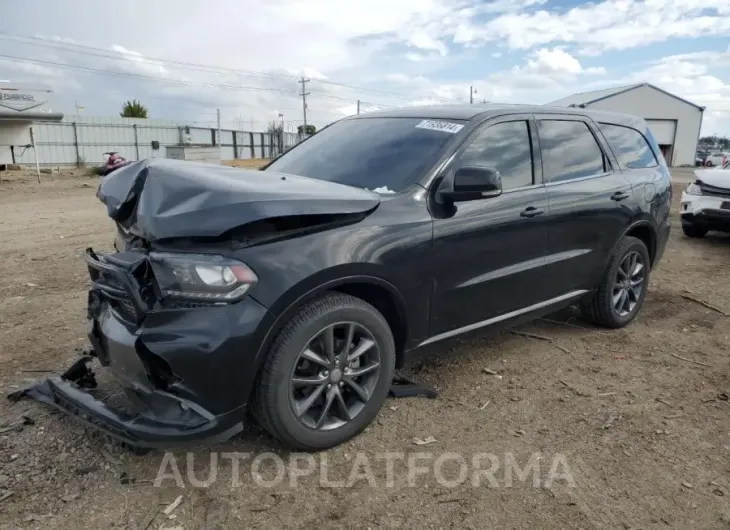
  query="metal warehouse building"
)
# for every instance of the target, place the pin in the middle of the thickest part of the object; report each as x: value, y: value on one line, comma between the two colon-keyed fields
x: 675, y: 122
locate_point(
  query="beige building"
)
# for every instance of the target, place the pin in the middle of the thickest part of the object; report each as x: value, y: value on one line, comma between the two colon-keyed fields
x: 674, y: 122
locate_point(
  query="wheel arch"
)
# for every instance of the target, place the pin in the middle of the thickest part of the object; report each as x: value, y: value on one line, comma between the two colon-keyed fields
x: 376, y: 291
x: 644, y: 231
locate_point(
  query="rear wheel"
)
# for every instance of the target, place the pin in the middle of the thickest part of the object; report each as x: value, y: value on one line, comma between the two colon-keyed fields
x: 691, y: 230
x: 327, y: 373
x: 621, y: 293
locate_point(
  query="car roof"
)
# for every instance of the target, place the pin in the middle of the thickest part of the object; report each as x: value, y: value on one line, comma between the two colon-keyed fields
x: 480, y: 112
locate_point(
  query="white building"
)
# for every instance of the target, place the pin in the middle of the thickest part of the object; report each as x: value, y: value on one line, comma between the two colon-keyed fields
x: 20, y: 106
x: 674, y: 122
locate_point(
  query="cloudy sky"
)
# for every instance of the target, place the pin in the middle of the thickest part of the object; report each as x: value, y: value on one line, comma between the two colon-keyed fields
x: 183, y: 59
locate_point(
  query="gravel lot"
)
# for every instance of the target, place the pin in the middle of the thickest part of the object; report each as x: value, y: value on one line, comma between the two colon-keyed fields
x: 638, y: 417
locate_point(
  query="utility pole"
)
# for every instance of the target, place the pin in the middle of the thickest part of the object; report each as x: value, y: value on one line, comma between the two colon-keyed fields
x: 304, y: 95
x: 218, y: 115
x: 358, y: 106
x: 471, y: 95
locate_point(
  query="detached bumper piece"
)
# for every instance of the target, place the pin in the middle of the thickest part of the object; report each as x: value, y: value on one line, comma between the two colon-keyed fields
x: 163, y: 420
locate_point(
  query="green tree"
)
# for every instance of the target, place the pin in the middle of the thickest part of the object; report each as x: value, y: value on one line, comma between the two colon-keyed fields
x: 311, y: 129
x: 133, y: 109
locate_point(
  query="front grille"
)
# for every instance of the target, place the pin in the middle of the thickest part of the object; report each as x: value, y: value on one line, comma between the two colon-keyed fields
x: 123, y: 280
x: 713, y: 191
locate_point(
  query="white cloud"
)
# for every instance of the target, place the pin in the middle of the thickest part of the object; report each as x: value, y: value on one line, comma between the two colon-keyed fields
x: 421, y: 57
x: 404, y: 79
x: 693, y: 76
x: 142, y: 63
x: 339, y: 45
x: 310, y: 73
x: 351, y: 110
x: 607, y: 25
x: 557, y: 62
x: 694, y: 79
x: 500, y: 6
x: 546, y: 61
x: 423, y: 41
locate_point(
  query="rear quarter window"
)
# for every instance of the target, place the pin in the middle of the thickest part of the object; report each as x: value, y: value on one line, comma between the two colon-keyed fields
x: 630, y: 146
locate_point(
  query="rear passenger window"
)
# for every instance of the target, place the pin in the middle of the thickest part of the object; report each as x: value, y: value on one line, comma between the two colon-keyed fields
x: 506, y: 147
x: 569, y: 151
x: 630, y: 146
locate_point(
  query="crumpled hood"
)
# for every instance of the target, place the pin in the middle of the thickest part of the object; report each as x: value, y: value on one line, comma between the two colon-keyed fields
x: 160, y: 198
x: 719, y: 178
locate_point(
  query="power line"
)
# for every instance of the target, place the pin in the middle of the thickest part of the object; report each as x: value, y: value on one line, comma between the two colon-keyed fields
x: 16, y: 59
x: 100, y: 52
x: 362, y: 102
x: 163, y: 79
x: 381, y: 93
x: 111, y: 54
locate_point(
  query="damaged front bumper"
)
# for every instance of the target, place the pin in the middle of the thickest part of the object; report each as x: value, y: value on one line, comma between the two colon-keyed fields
x: 186, y: 372
x: 70, y: 392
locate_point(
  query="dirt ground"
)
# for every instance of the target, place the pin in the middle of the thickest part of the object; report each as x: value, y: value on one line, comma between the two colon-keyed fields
x: 639, y: 418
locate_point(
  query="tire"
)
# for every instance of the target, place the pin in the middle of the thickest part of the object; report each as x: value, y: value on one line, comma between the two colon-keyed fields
x: 691, y: 230
x: 600, y: 308
x: 274, y: 407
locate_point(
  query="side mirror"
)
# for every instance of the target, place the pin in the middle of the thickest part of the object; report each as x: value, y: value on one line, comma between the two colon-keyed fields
x: 474, y: 182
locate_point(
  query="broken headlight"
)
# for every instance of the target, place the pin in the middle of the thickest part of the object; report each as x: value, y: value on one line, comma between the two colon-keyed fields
x: 693, y: 189
x: 201, y: 277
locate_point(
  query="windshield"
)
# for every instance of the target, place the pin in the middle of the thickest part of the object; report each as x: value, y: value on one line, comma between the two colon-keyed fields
x: 385, y: 155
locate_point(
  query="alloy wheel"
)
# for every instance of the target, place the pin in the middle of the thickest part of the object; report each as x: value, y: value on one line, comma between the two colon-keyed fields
x: 334, y: 376
x: 628, y: 284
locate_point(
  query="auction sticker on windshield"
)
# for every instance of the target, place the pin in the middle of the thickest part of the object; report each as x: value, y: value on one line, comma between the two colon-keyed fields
x: 443, y: 126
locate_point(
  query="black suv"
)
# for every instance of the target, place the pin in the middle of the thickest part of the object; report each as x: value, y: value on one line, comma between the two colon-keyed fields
x: 296, y: 290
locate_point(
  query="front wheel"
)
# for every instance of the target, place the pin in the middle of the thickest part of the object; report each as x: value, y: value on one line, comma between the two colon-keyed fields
x: 621, y: 293
x: 327, y: 373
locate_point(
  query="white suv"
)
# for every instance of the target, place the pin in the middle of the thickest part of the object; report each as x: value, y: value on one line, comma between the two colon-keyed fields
x: 718, y: 160
x: 706, y: 203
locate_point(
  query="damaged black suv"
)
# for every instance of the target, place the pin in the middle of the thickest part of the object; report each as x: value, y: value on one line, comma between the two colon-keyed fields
x: 296, y: 291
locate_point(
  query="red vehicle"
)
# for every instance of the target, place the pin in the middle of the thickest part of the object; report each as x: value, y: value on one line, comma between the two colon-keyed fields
x: 113, y: 161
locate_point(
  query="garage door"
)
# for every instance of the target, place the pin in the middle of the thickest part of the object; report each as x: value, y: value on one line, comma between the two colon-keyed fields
x: 663, y: 130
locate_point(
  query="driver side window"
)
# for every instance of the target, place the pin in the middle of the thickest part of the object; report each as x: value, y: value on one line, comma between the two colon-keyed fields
x: 507, y: 147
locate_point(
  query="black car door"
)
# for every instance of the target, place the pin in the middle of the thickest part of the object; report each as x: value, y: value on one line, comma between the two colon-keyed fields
x: 588, y: 200
x: 489, y: 253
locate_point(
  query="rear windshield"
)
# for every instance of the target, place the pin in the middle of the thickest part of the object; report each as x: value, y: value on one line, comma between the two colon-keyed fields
x: 385, y: 155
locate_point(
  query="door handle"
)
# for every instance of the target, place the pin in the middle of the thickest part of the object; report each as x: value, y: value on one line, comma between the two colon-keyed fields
x: 619, y: 196
x: 531, y: 212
